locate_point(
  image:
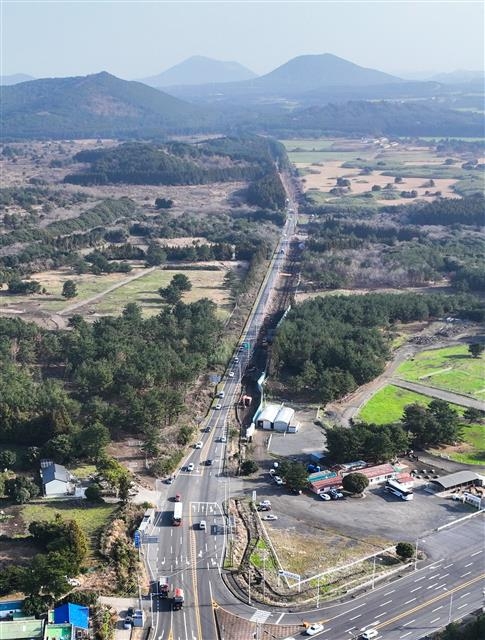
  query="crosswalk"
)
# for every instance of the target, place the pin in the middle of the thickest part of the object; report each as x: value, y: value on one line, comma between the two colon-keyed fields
x: 260, y: 616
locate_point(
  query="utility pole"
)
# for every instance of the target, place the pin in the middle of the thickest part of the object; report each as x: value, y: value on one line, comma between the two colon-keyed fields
x: 416, y: 555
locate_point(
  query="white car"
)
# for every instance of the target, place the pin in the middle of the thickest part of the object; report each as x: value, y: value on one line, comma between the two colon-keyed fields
x: 203, y: 525
x: 198, y: 445
x: 218, y: 407
x: 265, y: 503
x: 325, y: 496
x: 190, y: 467
x: 231, y: 374
x: 278, y: 480
x: 369, y: 634
x: 222, y: 439
x: 314, y: 628
x: 270, y: 516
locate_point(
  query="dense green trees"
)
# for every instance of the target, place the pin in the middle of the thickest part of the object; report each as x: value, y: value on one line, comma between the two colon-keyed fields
x: 69, y: 289
x: 267, y: 192
x: 377, y: 443
x: 355, y: 482
x: 405, y: 550
x: 294, y: 473
x: 447, y: 211
x: 438, y: 423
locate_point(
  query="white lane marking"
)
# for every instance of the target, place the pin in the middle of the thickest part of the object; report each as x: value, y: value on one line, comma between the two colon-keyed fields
x: 432, y: 585
x: 350, y: 610
x: 355, y: 617
x: 389, y: 592
x: 418, y: 579
x: 437, y: 609
x: 408, y: 601
x: 278, y: 621
x: 476, y: 553
x: 410, y: 622
x: 468, y: 565
x: 387, y: 602
x: 451, y: 564
x: 406, y: 634
x: 444, y: 575
x: 260, y: 616
x: 435, y: 576
x: 463, y: 605
x: 416, y: 589
x: 326, y: 631
x: 382, y: 613
x: 465, y: 574
x: 465, y: 594
x: 435, y: 620
x: 441, y: 586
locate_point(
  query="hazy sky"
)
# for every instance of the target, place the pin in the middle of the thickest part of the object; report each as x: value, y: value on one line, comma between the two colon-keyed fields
x: 138, y: 39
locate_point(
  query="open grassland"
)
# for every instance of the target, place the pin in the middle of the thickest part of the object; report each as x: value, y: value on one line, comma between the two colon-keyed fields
x: 387, y: 405
x: 91, y: 518
x: 144, y: 291
x: 451, y: 368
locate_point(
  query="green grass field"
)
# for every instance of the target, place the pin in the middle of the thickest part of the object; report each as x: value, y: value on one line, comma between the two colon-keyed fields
x: 388, y: 404
x: 90, y: 518
x: 451, y: 368
x: 307, y: 157
x: 144, y: 291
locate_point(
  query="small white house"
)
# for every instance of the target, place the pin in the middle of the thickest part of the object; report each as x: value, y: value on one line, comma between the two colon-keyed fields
x: 283, y: 419
x: 56, y: 479
x: 267, y: 416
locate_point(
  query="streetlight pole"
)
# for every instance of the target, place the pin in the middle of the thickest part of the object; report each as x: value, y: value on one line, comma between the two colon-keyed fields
x: 374, y: 573
x: 318, y: 592
x: 451, y: 605
x: 416, y: 555
x: 249, y: 585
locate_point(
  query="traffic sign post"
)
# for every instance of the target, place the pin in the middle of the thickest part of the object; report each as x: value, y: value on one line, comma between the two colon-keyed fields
x: 137, y: 539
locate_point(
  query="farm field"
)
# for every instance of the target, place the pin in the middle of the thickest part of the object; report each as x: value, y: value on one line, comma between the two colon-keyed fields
x: 388, y: 404
x: 90, y: 518
x: 321, y: 162
x: 451, y: 368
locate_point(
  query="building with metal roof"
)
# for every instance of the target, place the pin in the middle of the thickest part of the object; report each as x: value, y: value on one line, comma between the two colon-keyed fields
x: 267, y: 416
x: 75, y: 614
x: 56, y: 479
x: 458, y: 479
x: 283, y: 419
x: 23, y: 628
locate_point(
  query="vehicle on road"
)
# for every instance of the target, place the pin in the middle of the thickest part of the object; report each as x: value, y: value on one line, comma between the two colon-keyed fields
x: 325, y: 496
x: 270, y: 516
x: 127, y: 622
x: 198, y: 445
x: 209, y: 462
x: 222, y: 439
x: 178, y: 599
x: 177, y: 497
x: 313, y: 629
x: 177, y: 514
x: 265, y: 503
x: 221, y: 394
x: 231, y: 374
x: 203, y: 525
x: 218, y: 406
x: 278, y: 480
x: 190, y: 466
x: 163, y: 587
x: 369, y: 634
x: 236, y: 359
x: 264, y: 507
x: 168, y: 480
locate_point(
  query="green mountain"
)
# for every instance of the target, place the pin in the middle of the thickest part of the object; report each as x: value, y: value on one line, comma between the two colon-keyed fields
x: 98, y: 105
x: 15, y: 78
x: 200, y: 70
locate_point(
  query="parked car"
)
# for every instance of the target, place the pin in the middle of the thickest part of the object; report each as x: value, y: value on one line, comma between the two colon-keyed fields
x: 168, y: 480
x: 198, y: 445
x: 325, y: 496
x: 127, y: 622
x: 278, y: 480
x: 265, y: 503
x: 270, y: 516
x: 336, y: 495
x: 190, y: 467
x: 313, y: 629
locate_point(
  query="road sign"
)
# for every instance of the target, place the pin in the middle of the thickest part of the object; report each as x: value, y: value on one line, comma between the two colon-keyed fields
x: 137, y: 539
x: 287, y: 574
x: 245, y: 345
x: 254, y: 496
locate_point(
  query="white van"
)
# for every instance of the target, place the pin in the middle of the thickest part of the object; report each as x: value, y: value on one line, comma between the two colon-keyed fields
x: 369, y: 634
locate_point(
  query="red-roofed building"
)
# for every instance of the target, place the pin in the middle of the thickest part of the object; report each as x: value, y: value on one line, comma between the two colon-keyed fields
x: 319, y: 486
x: 379, y: 473
x: 405, y: 479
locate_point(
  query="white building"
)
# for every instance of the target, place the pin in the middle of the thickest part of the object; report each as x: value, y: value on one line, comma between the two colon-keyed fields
x: 283, y: 419
x: 56, y: 479
x: 267, y: 416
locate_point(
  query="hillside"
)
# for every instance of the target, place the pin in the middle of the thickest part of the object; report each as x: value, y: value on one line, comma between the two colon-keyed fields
x: 200, y: 70
x: 98, y: 105
x: 14, y: 79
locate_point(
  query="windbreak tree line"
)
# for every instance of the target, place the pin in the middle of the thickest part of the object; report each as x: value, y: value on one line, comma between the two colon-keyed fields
x: 123, y: 374
x: 329, y: 346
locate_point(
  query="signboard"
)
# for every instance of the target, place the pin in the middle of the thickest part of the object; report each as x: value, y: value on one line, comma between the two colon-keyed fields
x: 215, y: 379
x: 137, y: 539
x: 287, y: 574
x: 254, y: 496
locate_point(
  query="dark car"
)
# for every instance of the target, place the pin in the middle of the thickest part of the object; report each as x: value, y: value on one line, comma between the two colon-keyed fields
x: 264, y: 507
x: 209, y: 463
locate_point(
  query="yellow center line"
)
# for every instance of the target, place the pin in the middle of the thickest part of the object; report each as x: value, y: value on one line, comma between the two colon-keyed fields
x: 423, y: 605
x: 193, y: 553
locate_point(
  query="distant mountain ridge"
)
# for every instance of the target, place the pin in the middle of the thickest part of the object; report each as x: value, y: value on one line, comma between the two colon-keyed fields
x: 95, y: 105
x: 200, y: 70
x: 15, y: 78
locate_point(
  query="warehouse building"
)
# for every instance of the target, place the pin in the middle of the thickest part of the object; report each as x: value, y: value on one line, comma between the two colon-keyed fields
x: 457, y: 480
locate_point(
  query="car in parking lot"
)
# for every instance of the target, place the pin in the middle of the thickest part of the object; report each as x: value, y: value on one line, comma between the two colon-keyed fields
x: 218, y: 406
x: 265, y: 503
x: 325, y: 496
x: 190, y: 467
x: 270, y: 516
x: 336, y: 495
x: 198, y: 445
x: 203, y: 525
x: 313, y: 629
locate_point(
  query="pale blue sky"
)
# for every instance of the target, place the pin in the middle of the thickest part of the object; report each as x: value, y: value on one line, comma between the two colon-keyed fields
x: 138, y: 39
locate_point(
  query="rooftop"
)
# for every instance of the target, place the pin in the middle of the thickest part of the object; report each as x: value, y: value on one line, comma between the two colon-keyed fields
x: 20, y: 629
x: 456, y: 479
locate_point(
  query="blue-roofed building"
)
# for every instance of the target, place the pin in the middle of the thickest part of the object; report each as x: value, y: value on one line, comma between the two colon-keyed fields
x: 75, y: 614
